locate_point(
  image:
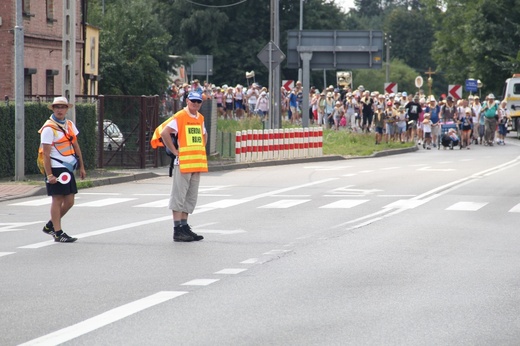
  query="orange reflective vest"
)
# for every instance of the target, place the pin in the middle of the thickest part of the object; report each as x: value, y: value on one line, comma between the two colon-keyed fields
x: 64, y: 144
x: 192, y: 146
x: 156, y: 141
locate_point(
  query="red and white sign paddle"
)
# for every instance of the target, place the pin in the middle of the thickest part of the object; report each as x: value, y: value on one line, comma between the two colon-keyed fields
x: 63, y: 178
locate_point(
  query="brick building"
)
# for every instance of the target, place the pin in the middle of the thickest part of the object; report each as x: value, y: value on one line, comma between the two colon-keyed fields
x: 43, y: 61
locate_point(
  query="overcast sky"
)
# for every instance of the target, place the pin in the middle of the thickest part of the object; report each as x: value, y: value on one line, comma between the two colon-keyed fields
x: 346, y: 4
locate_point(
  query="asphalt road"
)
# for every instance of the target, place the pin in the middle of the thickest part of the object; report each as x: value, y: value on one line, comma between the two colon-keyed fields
x: 415, y: 249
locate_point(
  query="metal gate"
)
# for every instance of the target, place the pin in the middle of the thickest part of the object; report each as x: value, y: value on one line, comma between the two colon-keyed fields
x: 127, y: 124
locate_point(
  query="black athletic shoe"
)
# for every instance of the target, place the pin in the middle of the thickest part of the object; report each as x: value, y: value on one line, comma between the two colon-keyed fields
x: 195, y: 236
x: 64, y: 238
x: 49, y: 229
x: 180, y: 234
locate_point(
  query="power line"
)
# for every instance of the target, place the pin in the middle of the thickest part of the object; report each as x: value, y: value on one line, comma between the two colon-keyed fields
x: 215, y: 6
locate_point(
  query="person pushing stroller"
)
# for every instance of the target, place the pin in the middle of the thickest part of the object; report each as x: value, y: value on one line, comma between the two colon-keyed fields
x: 451, y: 139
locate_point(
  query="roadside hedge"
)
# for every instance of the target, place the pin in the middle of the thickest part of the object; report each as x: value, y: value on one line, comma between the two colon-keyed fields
x: 35, y: 116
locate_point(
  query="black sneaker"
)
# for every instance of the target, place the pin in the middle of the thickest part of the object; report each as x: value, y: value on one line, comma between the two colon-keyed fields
x: 49, y: 229
x: 180, y: 234
x: 195, y: 236
x: 63, y: 238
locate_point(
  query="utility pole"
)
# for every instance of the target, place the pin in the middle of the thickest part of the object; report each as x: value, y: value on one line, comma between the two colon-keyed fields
x: 388, y: 42
x: 69, y: 54
x: 19, y: 146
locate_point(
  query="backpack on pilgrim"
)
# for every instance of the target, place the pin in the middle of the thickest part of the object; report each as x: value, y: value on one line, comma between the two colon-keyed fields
x: 157, y: 142
x: 39, y: 160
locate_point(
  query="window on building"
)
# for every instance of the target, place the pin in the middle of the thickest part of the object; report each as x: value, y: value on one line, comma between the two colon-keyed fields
x: 49, y: 81
x: 27, y: 84
x: 26, y: 8
x: 50, y: 11
x: 27, y: 80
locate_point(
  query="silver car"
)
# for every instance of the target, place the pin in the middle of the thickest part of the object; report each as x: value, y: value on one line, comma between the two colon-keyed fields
x: 112, y: 136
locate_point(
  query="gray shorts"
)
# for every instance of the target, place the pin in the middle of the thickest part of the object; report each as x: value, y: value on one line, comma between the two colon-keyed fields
x: 184, y: 192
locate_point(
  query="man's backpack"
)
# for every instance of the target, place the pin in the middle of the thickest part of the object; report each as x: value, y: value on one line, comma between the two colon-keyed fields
x: 157, y: 142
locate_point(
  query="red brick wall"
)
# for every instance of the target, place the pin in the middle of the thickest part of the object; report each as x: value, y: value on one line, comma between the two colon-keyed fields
x: 42, y: 46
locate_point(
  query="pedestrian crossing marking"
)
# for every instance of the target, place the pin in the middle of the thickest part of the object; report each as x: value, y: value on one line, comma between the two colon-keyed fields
x: 162, y: 203
x: 224, y: 203
x: 515, y: 209
x: 466, y: 206
x: 344, y: 204
x: 35, y: 202
x: 284, y: 203
x: 104, y: 202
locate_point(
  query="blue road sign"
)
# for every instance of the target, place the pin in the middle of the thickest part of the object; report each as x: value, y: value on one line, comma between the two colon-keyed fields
x: 471, y: 85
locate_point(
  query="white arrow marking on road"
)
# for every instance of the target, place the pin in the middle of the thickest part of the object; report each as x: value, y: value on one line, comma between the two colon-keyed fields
x: 515, y: 209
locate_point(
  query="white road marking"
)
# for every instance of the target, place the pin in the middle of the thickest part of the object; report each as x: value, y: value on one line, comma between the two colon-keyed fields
x: 101, y: 231
x: 349, y: 175
x: 284, y: 203
x: 35, y: 202
x: 224, y: 203
x: 344, y: 204
x: 200, y: 282
x: 406, y: 204
x: 389, y: 168
x: 515, y: 209
x: 16, y: 226
x: 230, y: 271
x: 162, y: 203
x: 212, y: 195
x: 100, y: 193
x: 466, y: 206
x: 99, y: 321
x: 219, y: 231
x: 104, y: 202
x: 6, y: 253
x: 276, y: 251
x: 429, y: 169
x: 250, y: 261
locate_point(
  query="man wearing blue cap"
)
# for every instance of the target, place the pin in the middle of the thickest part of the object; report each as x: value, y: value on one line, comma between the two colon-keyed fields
x: 187, y: 127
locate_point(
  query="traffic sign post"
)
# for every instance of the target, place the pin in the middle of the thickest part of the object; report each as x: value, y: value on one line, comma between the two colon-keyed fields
x: 471, y: 85
x: 271, y: 54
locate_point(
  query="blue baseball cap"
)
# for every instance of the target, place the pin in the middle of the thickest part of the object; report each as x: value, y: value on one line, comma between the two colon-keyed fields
x: 194, y: 95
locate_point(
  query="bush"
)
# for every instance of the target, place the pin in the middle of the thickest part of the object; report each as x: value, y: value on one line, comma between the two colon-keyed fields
x: 35, y: 115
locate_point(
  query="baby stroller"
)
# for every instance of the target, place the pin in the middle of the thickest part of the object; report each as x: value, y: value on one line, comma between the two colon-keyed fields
x: 449, y: 137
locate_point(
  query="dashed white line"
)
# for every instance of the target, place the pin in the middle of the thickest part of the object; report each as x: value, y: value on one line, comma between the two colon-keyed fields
x: 466, y: 206
x: 96, y: 322
x: 200, y: 282
x: 250, y: 261
x: 231, y: 271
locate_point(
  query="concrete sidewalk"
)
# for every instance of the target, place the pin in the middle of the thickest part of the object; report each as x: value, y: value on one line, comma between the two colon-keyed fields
x: 14, y: 190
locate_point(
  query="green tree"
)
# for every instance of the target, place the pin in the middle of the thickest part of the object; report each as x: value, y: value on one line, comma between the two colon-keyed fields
x: 374, y: 80
x: 412, y: 37
x: 133, y: 49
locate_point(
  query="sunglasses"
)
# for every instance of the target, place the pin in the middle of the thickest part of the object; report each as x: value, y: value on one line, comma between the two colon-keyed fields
x: 196, y: 101
x: 60, y: 106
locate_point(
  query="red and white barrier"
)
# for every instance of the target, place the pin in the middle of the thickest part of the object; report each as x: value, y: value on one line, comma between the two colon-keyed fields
x: 277, y: 144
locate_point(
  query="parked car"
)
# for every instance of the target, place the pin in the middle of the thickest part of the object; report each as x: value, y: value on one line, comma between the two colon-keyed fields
x: 112, y: 136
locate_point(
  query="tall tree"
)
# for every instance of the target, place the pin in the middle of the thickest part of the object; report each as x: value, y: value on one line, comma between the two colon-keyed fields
x: 412, y: 37
x: 133, y: 50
